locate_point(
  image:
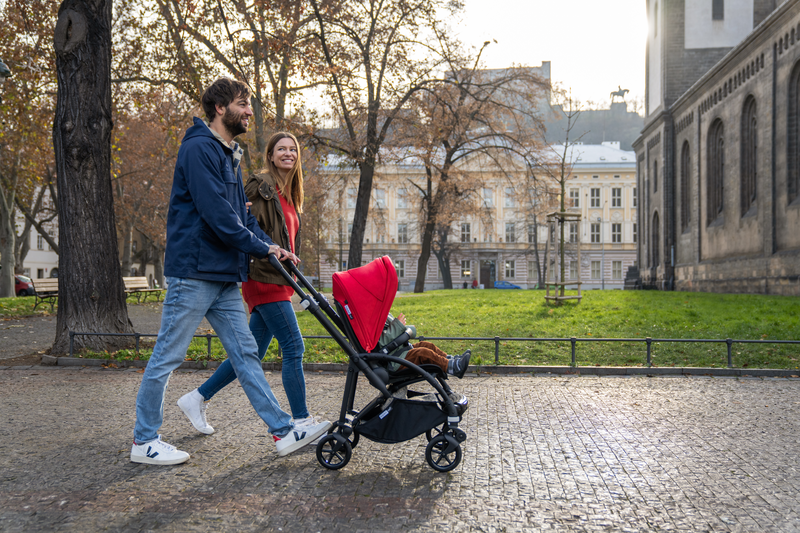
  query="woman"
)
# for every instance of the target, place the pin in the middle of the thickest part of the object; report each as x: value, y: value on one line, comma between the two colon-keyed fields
x: 277, y: 202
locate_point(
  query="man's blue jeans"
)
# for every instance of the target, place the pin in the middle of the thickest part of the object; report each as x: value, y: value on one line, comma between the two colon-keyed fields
x: 270, y: 320
x: 186, y: 303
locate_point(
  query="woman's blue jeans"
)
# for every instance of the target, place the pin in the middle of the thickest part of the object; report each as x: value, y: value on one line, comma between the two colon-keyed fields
x: 186, y: 303
x: 270, y: 320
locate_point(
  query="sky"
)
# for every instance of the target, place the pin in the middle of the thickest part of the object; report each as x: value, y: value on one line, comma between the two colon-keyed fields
x: 594, y: 46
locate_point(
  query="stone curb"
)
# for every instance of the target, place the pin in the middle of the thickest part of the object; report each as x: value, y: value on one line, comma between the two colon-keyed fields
x: 49, y: 360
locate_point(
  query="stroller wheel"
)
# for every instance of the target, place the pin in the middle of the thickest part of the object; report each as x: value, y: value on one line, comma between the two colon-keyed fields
x: 334, y: 451
x: 435, y: 431
x: 438, y: 456
x: 354, y: 436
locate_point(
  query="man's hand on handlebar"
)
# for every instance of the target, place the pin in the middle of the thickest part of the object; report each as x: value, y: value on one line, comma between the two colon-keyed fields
x: 283, y: 255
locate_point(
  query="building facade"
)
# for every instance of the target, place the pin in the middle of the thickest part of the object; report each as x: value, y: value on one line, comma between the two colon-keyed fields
x: 498, y: 240
x: 719, y: 156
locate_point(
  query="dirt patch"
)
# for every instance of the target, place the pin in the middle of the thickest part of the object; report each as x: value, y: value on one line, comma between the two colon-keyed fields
x: 25, y: 360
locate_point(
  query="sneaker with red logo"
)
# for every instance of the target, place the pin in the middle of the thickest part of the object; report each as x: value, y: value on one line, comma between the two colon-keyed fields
x: 299, y: 437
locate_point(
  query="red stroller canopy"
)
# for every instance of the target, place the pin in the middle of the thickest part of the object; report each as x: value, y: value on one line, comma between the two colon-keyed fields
x: 366, y: 293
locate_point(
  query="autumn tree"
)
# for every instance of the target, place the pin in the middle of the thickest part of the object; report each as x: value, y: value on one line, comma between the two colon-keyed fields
x: 91, y: 293
x: 473, y: 118
x: 268, y: 44
x: 26, y: 111
x: 378, y: 54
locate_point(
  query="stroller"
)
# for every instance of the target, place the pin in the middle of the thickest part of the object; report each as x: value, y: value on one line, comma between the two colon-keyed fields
x: 363, y: 297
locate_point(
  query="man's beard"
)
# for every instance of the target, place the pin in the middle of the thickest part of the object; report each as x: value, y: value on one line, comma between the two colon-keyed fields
x: 233, y: 123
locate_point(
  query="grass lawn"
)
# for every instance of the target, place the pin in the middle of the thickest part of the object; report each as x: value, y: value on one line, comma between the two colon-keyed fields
x: 22, y: 306
x: 601, y: 314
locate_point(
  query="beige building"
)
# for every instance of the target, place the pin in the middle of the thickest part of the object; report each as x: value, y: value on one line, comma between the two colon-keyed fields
x: 497, y: 239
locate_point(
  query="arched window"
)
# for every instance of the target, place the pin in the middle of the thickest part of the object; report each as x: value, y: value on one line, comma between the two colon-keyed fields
x: 749, y: 146
x: 716, y: 171
x: 685, y: 198
x: 655, y: 239
x: 793, y: 137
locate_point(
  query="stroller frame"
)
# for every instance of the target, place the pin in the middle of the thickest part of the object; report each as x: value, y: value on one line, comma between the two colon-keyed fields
x: 439, y: 418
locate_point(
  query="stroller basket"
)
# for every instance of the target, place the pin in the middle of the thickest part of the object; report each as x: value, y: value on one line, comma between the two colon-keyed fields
x: 363, y: 299
x: 400, y: 420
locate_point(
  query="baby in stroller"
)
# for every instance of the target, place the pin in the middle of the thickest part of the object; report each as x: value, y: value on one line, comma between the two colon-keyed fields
x: 421, y: 353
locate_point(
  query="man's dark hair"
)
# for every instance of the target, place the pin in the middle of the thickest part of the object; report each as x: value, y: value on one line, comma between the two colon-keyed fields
x: 221, y: 93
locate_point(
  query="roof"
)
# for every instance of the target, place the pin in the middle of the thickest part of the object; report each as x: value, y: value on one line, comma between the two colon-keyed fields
x: 607, y: 154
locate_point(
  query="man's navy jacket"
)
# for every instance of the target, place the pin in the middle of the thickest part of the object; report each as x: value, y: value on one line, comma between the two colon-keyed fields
x: 210, y: 233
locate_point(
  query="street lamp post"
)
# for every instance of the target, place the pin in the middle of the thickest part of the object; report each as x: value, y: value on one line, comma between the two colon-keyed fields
x: 602, y: 255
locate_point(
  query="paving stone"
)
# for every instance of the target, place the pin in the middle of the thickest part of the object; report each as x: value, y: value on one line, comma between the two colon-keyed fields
x: 544, y: 453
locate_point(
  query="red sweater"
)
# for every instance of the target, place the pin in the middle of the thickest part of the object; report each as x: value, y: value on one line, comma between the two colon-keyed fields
x: 257, y: 293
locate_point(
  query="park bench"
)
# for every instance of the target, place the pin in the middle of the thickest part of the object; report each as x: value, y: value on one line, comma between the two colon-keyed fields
x: 139, y: 286
x: 45, y: 290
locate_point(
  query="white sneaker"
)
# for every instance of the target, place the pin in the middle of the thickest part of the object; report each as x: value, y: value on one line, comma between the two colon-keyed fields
x: 194, y: 407
x: 157, y: 452
x: 299, y: 437
x: 306, y: 423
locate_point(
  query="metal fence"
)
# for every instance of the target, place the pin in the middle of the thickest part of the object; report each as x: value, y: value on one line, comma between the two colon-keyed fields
x: 573, y: 341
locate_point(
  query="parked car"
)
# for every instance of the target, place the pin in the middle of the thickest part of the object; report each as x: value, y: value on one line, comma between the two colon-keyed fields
x: 23, y: 286
x: 502, y: 284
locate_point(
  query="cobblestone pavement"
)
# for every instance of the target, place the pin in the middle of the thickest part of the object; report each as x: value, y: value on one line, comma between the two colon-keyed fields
x: 543, y: 454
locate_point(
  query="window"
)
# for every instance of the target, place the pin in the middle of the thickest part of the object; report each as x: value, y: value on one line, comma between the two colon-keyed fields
x: 351, y: 198
x: 509, y: 197
x: 635, y: 232
x: 488, y: 200
x: 655, y: 175
x: 635, y: 198
x: 595, y: 177
x: 573, y: 270
x: 402, y: 198
x: 595, y: 269
x: 533, y: 272
x: 510, y: 235
x: 511, y: 270
x: 684, y: 180
x: 402, y: 233
x: 595, y: 198
x: 531, y: 233
x: 616, y: 269
x: 655, y: 243
x: 616, y: 197
x: 717, y: 9
x: 655, y: 20
x: 39, y: 273
x: 573, y: 232
x: 465, y: 269
x: 616, y: 176
x: 793, y: 137
x: 40, y: 242
x: 595, y: 232
x: 380, y: 198
x: 748, y: 144
x: 616, y: 233
x: 465, y: 232
x: 344, y: 265
x: 574, y: 196
x: 716, y: 171
x: 400, y: 266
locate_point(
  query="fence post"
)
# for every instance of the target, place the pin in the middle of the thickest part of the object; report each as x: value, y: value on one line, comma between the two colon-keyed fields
x: 71, y: 341
x: 573, y: 341
x: 649, y: 341
x: 729, y: 342
x: 208, y: 340
x: 497, y: 350
x: 137, y: 343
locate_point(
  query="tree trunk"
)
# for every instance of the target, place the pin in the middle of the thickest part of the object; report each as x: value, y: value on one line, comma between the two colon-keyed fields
x: 127, y: 239
x: 91, y: 293
x: 7, y: 262
x: 361, y: 212
x: 158, y: 266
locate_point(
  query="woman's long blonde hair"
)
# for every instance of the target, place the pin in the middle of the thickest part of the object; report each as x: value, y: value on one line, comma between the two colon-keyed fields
x: 292, y: 185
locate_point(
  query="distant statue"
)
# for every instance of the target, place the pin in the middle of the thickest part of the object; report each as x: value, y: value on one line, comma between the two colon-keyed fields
x: 621, y: 93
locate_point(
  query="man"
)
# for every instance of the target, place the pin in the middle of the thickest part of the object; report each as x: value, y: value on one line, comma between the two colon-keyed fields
x: 210, y: 236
